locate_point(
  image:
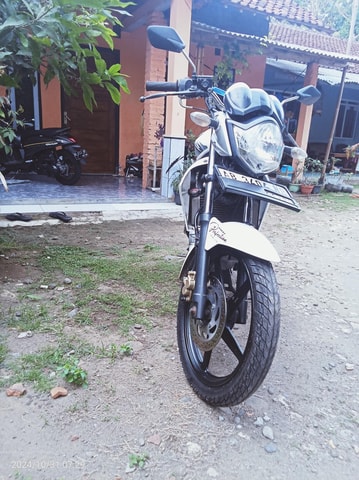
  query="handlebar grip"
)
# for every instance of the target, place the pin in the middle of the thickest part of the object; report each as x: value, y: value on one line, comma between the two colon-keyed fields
x: 162, y: 86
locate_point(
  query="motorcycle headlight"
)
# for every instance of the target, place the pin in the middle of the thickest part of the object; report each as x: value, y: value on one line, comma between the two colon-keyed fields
x: 259, y: 147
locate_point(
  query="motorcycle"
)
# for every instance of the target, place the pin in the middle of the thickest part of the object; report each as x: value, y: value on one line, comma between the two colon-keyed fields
x: 228, y: 314
x: 49, y: 151
x: 134, y: 165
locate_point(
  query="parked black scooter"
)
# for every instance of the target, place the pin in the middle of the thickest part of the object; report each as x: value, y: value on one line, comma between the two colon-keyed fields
x: 134, y: 165
x: 50, y: 151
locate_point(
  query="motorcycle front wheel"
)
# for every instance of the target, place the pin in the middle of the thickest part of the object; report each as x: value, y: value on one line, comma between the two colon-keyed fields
x: 68, y: 168
x: 226, y: 358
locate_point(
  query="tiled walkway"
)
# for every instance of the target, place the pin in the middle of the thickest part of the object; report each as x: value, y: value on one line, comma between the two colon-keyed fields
x: 94, y: 199
x: 91, y: 189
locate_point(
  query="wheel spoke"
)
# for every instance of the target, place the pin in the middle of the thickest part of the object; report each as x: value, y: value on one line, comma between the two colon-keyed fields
x: 232, y: 343
x: 206, y: 360
x: 242, y: 292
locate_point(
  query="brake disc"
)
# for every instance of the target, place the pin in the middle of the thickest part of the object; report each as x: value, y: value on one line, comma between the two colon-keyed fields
x: 206, y: 334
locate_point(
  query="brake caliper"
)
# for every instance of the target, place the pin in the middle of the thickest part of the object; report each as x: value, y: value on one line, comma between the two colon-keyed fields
x: 188, y: 285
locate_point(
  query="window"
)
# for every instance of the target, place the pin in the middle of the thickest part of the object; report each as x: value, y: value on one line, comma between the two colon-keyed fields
x: 347, y: 118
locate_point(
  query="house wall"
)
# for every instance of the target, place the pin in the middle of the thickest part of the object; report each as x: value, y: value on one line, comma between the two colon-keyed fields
x: 50, y: 96
x: 322, y: 124
x: 323, y: 111
x: 131, y: 125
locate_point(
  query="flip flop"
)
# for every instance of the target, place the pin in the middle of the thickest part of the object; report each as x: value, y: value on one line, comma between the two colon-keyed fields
x: 18, y: 216
x: 61, y: 216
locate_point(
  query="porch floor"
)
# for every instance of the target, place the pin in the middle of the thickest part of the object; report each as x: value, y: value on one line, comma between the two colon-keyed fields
x: 111, y: 196
x: 90, y: 189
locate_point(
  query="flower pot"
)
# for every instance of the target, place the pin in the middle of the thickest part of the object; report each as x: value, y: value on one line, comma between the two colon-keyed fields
x: 347, y: 188
x: 177, y: 198
x: 316, y: 189
x: 306, y: 189
x: 294, y: 187
x: 333, y: 187
x: 282, y: 180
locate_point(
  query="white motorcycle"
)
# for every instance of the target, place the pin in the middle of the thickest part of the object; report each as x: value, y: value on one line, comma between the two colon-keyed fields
x: 229, y: 307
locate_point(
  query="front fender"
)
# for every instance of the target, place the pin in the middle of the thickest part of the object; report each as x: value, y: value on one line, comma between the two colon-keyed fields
x: 241, y: 237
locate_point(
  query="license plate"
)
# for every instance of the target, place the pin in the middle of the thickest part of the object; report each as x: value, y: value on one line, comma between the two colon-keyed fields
x: 233, y: 182
x: 239, y: 177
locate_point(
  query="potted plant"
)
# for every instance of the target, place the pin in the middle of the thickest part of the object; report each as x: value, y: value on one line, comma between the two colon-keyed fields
x: 307, y: 185
x: 186, y: 162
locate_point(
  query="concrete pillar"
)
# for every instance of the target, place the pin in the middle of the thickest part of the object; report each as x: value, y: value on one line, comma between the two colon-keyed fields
x: 305, y: 112
x: 174, y: 140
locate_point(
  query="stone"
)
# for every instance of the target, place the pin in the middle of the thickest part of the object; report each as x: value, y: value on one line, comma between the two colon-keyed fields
x: 57, y: 392
x: 259, y: 422
x: 268, y: 432
x: 194, y: 449
x: 155, y: 439
x: 16, y: 390
x: 270, y: 448
x: 212, y: 473
x: 27, y: 334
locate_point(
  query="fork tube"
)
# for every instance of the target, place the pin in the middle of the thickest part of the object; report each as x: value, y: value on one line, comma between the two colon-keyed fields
x: 200, y: 291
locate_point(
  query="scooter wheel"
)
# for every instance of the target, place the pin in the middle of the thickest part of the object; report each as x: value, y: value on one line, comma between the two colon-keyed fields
x: 68, y: 168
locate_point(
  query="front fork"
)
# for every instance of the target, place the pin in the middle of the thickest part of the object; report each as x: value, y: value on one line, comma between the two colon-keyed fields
x: 199, y: 297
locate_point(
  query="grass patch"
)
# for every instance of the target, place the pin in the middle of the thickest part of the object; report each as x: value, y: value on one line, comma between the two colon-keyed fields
x: 132, y: 275
x: 28, y: 317
x: 141, y: 269
x: 339, y: 201
x: 106, y: 291
x: 42, y: 368
x: 7, y: 242
x: 3, y: 351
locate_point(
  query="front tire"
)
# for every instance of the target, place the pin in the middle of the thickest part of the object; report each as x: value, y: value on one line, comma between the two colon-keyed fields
x: 226, y: 359
x: 68, y: 168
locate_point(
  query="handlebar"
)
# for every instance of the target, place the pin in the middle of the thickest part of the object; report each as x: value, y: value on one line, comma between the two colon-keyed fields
x: 162, y: 86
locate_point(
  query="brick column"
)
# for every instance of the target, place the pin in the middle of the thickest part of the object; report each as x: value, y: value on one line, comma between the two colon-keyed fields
x: 155, y: 70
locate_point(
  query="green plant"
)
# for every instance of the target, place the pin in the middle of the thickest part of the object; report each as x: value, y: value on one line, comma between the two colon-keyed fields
x: 126, y: 349
x: 138, y: 460
x: 186, y: 160
x: 72, y: 373
x: 313, y: 165
x: 227, y: 67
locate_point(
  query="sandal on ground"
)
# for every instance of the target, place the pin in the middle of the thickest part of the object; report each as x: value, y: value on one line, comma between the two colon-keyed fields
x: 18, y: 216
x: 61, y: 216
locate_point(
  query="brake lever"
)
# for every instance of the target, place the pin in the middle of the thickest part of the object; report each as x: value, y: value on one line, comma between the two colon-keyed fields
x: 183, y: 95
x: 160, y: 95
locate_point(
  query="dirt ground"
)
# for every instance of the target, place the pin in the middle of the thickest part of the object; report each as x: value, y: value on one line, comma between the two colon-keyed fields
x: 301, y: 424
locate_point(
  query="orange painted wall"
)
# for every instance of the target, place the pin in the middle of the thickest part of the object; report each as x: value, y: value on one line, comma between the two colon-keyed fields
x: 50, y: 104
x: 132, y: 58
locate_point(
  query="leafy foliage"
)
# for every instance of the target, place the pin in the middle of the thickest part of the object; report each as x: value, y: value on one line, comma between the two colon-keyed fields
x: 73, y: 373
x: 334, y: 13
x: 58, y: 38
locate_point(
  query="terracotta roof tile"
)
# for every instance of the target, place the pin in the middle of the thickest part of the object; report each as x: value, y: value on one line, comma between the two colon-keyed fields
x: 287, y: 9
x: 311, y: 39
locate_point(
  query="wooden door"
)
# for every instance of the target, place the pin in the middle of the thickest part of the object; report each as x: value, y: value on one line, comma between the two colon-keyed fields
x: 96, y: 131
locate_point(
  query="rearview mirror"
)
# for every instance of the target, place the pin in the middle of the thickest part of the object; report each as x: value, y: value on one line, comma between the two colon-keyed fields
x: 165, y: 38
x: 308, y: 95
